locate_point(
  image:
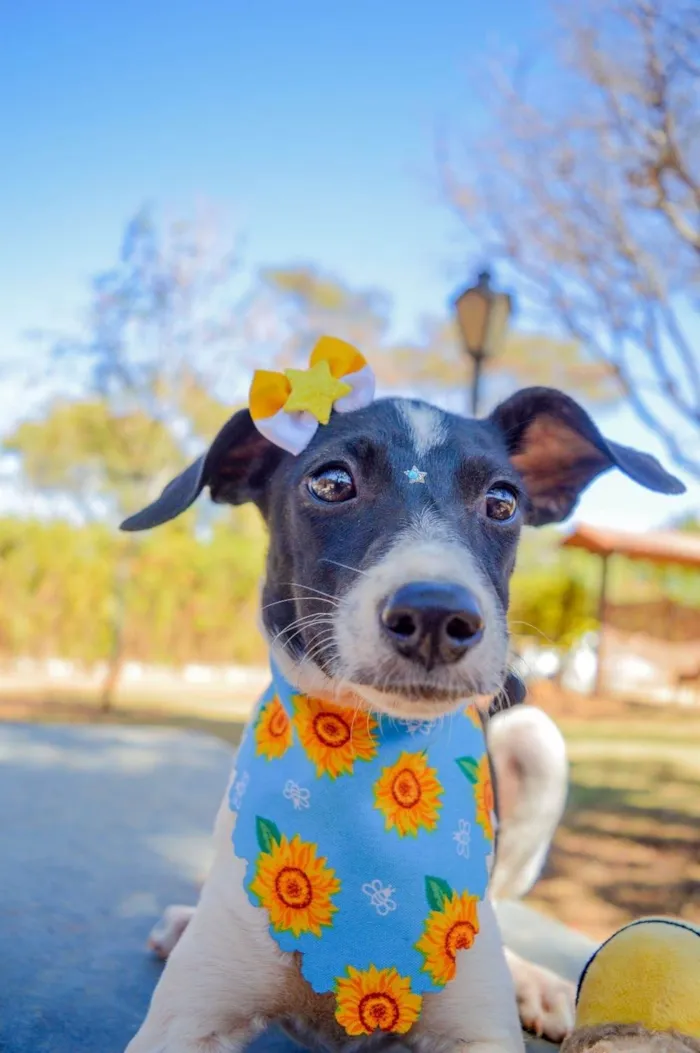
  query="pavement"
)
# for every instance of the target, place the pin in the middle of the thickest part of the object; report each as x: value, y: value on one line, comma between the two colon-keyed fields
x: 101, y: 828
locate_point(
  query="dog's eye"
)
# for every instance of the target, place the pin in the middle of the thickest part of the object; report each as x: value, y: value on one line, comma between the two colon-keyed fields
x: 332, y: 484
x: 501, y: 503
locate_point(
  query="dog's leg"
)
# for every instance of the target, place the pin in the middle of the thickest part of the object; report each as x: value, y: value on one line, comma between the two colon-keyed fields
x: 165, y: 934
x: 225, y: 977
x: 476, y: 1012
x: 529, y: 757
x: 545, y: 1000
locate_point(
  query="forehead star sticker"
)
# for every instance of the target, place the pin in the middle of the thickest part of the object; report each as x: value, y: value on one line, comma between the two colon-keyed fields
x: 415, y: 475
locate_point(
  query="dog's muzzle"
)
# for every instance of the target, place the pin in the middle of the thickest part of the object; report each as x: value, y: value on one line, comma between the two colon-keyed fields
x: 432, y: 623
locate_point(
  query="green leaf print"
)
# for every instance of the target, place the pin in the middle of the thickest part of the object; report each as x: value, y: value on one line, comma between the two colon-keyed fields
x: 267, y: 834
x: 469, y: 766
x: 438, y: 893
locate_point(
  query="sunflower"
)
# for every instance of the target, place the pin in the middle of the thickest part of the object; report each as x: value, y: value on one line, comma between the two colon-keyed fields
x: 408, y: 793
x: 375, y: 1000
x: 332, y: 737
x: 484, y: 797
x: 295, y: 886
x: 472, y: 712
x: 447, y: 931
x: 273, y: 730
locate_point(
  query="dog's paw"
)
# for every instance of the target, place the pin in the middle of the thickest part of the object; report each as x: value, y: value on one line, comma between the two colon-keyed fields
x: 545, y: 1002
x: 169, y: 929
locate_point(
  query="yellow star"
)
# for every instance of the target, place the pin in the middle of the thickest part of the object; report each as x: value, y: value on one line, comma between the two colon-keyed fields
x: 315, y: 390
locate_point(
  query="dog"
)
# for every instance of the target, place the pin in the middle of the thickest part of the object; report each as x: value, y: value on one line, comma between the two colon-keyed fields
x: 392, y: 540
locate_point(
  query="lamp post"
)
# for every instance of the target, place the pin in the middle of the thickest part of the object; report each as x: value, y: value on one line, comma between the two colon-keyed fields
x: 482, y: 315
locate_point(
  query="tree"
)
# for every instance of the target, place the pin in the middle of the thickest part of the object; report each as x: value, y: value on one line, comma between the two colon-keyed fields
x: 103, y: 461
x: 588, y: 187
x: 303, y: 302
x: 437, y: 362
x: 307, y: 302
x: 554, y: 592
x: 139, y: 387
x: 171, y: 337
x: 191, y: 594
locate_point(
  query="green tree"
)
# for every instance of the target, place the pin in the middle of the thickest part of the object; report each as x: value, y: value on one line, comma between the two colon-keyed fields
x: 189, y: 596
x: 554, y: 591
x: 139, y: 385
x: 104, y: 461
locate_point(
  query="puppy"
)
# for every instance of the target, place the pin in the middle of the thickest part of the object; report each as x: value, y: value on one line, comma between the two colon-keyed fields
x: 393, y: 537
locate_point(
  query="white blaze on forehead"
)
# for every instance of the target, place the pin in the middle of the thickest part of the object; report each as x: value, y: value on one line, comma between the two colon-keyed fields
x: 427, y: 426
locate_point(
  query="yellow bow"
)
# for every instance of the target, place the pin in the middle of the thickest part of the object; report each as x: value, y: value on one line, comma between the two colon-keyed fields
x: 288, y: 407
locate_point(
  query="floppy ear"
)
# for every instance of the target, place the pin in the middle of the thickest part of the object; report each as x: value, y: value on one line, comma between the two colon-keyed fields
x: 236, y: 467
x: 558, y: 451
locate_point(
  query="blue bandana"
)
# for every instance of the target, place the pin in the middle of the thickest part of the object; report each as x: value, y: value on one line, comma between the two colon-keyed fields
x: 369, y: 844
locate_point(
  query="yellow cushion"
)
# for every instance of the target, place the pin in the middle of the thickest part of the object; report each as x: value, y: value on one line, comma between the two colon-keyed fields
x: 648, y: 973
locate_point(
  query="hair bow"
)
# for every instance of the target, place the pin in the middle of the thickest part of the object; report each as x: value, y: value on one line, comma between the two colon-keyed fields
x: 288, y: 407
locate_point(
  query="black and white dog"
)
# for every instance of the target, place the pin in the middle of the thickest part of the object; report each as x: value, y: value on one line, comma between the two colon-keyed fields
x: 392, y: 598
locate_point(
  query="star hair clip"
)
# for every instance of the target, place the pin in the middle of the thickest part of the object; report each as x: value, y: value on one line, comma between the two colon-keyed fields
x: 288, y: 407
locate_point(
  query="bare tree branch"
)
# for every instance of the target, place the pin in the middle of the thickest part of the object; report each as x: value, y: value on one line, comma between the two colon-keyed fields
x: 589, y: 191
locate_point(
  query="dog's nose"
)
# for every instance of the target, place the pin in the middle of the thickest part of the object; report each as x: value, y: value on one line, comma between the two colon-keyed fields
x: 432, y: 623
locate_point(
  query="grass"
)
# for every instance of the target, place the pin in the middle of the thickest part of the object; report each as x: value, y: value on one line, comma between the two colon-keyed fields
x: 629, y: 843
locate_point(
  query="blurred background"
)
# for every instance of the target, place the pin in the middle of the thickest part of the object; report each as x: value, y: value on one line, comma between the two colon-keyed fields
x: 481, y: 197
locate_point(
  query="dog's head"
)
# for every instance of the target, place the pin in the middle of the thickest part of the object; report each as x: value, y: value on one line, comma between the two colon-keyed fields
x: 391, y: 586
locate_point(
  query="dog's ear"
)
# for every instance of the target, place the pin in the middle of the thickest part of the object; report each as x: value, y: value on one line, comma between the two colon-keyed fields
x: 236, y: 468
x: 558, y: 451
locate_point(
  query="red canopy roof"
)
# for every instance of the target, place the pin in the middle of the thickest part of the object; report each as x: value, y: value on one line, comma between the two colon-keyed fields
x: 656, y: 546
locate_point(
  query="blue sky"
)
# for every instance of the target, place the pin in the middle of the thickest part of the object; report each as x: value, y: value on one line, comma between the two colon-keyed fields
x: 310, y: 124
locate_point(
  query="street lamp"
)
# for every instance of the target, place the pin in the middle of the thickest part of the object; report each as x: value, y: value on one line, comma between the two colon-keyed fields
x: 482, y: 316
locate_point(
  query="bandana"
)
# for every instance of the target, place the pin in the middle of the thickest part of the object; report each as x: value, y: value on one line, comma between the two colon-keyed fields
x: 369, y: 843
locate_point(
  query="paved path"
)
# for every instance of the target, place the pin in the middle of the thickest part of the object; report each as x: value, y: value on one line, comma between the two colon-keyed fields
x: 100, y: 828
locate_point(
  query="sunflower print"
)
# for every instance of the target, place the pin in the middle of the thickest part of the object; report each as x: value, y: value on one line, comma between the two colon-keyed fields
x: 376, y: 1000
x: 293, y: 884
x: 472, y: 712
x: 484, y: 797
x: 332, y: 737
x: 479, y: 774
x: 408, y: 794
x: 451, y: 927
x: 273, y: 730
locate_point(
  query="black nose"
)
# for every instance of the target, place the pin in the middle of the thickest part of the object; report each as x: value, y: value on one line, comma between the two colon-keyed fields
x: 431, y: 622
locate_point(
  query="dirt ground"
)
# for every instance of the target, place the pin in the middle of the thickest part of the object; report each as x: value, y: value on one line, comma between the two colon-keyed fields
x: 629, y: 843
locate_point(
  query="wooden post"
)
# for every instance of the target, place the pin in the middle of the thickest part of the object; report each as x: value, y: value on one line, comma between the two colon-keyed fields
x: 602, y: 622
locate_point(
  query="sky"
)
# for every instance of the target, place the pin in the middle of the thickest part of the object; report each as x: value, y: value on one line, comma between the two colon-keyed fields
x: 310, y: 125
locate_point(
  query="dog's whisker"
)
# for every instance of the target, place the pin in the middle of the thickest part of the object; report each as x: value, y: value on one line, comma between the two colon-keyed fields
x: 299, y: 631
x: 317, y: 592
x: 294, y: 599
x: 320, y: 645
x: 535, y: 629
x: 344, y: 566
x: 308, y: 621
